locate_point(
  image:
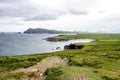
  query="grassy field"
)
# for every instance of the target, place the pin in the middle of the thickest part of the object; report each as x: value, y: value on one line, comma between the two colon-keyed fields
x: 98, y: 60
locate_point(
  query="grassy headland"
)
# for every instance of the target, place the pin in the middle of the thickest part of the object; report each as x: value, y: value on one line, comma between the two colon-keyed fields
x: 99, y: 60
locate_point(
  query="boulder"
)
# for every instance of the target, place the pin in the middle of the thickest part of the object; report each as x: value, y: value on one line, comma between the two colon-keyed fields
x: 73, y: 46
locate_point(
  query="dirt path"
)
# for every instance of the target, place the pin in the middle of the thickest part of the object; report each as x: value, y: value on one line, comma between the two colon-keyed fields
x: 40, y: 68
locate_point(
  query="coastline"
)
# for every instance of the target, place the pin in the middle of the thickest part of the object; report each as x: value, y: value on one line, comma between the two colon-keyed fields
x: 91, y: 62
x: 31, y: 44
x: 62, y: 38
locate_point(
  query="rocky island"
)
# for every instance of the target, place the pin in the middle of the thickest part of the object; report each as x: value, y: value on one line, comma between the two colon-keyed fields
x: 42, y: 31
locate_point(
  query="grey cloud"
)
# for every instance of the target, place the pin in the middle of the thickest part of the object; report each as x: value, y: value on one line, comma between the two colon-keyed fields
x: 102, y: 12
x: 112, y: 17
x: 29, y: 12
x: 9, y: 13
x: 14, y: 10
x: 11, y: 23
x: 26, y: 15
x: 19, y: 12
x: 42, y: 17
x: 79, y: 12
x: 115, y: 18
x: 5, y: 1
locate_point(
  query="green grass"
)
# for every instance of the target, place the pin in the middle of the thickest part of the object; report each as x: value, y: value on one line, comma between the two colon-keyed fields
x: 8, y: 63
x: 73, y: 71
x: 16, y: 76
x: 102, y: 55
x: 53, y: 73
x: 99, y: 60
x: 92, y: 36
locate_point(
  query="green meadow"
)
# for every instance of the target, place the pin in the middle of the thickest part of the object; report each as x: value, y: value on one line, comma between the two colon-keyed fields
x: 98, y: 60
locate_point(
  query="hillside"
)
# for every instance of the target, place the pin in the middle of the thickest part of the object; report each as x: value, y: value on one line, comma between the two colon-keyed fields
x: 41, y: 30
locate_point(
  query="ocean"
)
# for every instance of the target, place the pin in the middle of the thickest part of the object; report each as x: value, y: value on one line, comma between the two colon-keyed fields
x: 22, y: 44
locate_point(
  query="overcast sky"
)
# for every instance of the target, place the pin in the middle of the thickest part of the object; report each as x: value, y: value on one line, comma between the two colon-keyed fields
x: 72, y: 15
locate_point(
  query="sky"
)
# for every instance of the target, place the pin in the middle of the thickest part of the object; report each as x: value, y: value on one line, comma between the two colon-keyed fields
x: 66, y: 15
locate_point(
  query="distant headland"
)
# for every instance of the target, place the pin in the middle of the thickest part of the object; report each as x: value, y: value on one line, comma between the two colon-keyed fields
x: 42, y: 30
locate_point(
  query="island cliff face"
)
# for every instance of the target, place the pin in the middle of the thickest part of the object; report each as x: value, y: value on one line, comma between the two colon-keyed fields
x: 41, y: 30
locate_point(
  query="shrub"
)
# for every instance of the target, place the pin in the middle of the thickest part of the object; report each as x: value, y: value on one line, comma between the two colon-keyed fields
x: 53, y: 73
x: 31, y: 74
x: 91, y: 61
x: 32, y: 59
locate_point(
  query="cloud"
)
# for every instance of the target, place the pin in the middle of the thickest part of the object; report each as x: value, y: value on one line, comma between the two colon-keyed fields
x: 115, y: 17
x: 111, y: 18
x: 79, y: 12
x: 6, y: 0
x: 9, y: 13
x: 42, y: 17
x: 11, y: 23
x: 10, y: 1
x: 60, y: 13
x: 29, y: 15
x: 15, y: 9
x: 102, y: 11
x: 28, y: 12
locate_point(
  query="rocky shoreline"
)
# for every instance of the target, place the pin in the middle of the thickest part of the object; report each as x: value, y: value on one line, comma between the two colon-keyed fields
x: 57, y: 38
x: 54, y: 39
x: 66, y: 47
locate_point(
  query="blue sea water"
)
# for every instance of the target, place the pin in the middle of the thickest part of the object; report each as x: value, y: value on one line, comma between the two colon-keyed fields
x: 21, y: 44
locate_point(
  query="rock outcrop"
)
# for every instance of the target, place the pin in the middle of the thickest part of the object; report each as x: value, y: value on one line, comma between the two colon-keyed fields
x: 73, y: 46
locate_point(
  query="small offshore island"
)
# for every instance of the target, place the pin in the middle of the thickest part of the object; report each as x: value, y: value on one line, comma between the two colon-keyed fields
x: 43, y: 31
x: 97, y: 60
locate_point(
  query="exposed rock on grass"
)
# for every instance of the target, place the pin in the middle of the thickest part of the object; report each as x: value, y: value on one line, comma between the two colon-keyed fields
x: 73, y: 46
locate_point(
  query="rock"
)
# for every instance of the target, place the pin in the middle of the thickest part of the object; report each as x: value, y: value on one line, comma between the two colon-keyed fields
x: 73, y: 46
